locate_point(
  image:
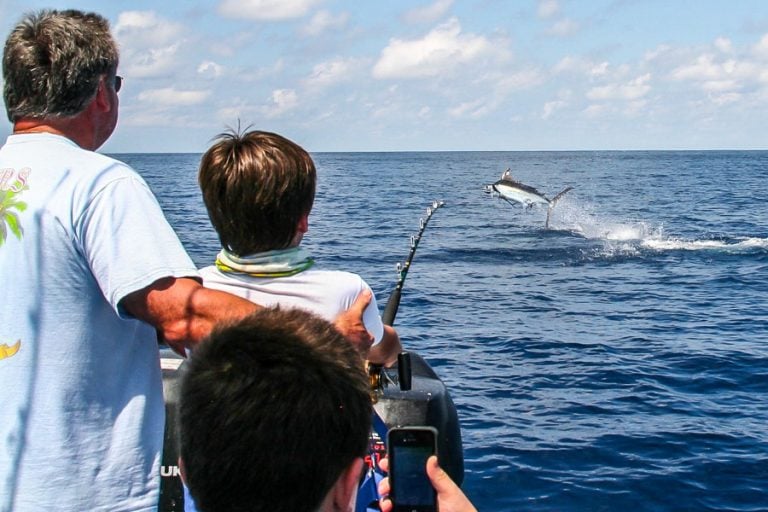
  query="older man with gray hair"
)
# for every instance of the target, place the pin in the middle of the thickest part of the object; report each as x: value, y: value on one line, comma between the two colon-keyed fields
x: 92, y: 274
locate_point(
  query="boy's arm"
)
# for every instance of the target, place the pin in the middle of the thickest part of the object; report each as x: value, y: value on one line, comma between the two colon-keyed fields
x: 350, y: 322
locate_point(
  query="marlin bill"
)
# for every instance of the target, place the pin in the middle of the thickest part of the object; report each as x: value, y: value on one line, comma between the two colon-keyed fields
x: 512, y: 191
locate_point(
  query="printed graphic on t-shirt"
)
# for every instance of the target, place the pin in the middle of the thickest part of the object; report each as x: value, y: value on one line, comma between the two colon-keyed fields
x: 12, y: 184
x: 9, y: 351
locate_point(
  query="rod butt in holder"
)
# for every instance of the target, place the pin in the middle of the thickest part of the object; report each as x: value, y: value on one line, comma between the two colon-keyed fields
x: 404, y: 370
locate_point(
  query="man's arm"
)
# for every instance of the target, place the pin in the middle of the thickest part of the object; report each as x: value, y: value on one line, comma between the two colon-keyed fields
x: 184, y: 312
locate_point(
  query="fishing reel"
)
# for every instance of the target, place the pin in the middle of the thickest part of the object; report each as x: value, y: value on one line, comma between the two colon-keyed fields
x: 379, y: 379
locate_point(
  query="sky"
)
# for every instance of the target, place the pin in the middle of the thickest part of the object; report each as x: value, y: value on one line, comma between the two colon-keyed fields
x: 437, y: 75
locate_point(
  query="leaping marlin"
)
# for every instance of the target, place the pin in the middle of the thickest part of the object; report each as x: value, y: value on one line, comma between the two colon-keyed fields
x: 513, y: 191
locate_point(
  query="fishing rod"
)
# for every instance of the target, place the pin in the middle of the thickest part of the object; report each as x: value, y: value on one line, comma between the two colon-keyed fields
x: 399, y: 402
x: 390, y: 311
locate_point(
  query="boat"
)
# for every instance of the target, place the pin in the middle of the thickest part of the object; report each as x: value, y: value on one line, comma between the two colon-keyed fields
x: 409, y: 393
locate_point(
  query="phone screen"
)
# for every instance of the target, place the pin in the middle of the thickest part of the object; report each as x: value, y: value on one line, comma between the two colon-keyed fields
x: 409, y: 449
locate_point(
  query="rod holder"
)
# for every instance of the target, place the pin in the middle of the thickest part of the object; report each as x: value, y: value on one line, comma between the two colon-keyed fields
x: 404, y: 371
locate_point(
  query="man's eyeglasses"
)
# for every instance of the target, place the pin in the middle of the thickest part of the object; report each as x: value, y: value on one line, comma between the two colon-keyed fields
x: 118, y: 83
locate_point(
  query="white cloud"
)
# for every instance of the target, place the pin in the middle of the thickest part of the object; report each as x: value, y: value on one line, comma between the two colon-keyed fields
x: 282, y: 101
x: 548, y: 9
x: 563, y: 28
x: 657, y: 53
x: 238, y: 110
x: 150, y: 62
x: 724, y: 44
x: 599, y: 70
x: 726, y: 98
x: 571, y: 64
x: 719, y: 86
x: 149, y: 44
x: 324, y: 21
x: 146, y: 28
x: 579, y: 65
x: 560, y: 26
x: 170, y: 97
x: 471, y: 109
x: 210, y: 68
x: 563, y: 100
x: 761, y: 48
x: 632, y: 90
x: 704, y: 68
x: 666, y: 80
x: 227, y: 114
x: 266, y: 10
x: 442, y: 50
x: 594, y: 110
x: 152, y: 118
x: 488, y: 92
x: 551, y: 107
x: 509, y: 82
x: 724, y: 81
x: 331, y: 72
x: 428, y: 14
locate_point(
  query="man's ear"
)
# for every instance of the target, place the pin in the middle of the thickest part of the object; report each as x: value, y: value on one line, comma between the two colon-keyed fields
x: 344, y: 491
x: 102, y: 100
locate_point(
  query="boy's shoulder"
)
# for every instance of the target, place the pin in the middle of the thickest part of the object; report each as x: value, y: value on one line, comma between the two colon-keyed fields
x: 334, y: 277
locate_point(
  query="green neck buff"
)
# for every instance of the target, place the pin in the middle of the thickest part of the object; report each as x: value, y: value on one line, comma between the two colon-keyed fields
x: 279, y: 263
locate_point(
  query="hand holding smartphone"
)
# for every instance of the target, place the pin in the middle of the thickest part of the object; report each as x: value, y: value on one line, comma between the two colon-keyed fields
x: 408, y: 450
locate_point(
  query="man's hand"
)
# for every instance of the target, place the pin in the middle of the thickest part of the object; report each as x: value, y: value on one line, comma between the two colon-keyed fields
x: 450, y: 497
x: 350, y: 323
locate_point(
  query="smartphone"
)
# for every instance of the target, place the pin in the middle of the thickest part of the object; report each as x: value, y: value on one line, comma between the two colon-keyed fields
x: 408, y: 449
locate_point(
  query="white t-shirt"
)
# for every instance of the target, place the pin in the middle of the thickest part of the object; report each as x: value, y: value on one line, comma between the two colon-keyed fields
x: 81, y: 407
x: 326, y: 293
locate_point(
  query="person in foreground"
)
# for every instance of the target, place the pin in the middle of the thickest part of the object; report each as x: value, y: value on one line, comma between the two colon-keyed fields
x: 91, y: 274
x: 274, y: 415
x: 259, y: 188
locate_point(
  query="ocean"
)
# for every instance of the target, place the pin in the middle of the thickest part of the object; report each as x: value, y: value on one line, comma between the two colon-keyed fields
x: 618, y: 359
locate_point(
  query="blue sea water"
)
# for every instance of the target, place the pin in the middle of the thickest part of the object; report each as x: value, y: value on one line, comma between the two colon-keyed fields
x: 616, y: 360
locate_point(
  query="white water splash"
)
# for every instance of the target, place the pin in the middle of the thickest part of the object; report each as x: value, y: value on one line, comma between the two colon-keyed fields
x: 630, y: 237
x: 582, y: 221
x: 674, y: 244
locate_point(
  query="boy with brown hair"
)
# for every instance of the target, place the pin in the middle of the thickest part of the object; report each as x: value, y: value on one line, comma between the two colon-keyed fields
x: 259, y: 188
